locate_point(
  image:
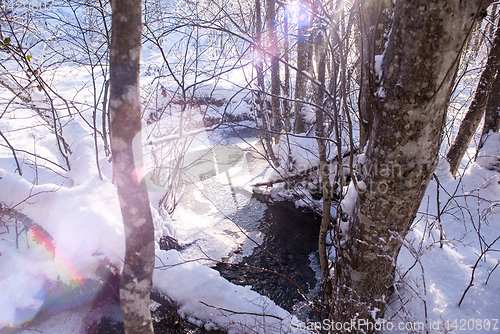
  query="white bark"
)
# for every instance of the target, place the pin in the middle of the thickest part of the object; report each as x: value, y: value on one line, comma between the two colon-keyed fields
x: 136, y: 278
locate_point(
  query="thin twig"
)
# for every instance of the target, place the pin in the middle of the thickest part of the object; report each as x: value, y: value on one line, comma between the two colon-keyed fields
x: 245, y: 313
x: 471, y: 283
x: 13, y: 153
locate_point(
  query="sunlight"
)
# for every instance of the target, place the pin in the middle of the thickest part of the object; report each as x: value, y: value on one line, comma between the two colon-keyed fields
x: 297, y: 13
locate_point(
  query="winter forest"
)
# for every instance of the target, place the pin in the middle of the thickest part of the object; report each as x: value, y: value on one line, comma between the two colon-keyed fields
x: 249, y: 166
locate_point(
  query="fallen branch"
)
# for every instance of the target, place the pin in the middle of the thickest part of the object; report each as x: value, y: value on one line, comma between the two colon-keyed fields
x: 297, y: 176
x: 177, y: 136
x: 40, y: 233
x: 163, y: 300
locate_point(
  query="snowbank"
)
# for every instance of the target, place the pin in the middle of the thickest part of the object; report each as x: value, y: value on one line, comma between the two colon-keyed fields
x: 203, y: 294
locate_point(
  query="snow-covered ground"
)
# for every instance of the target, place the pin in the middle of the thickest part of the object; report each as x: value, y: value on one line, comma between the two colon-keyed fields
x: 63, y: 228
x: 84, y: 224
x: 433, y: 279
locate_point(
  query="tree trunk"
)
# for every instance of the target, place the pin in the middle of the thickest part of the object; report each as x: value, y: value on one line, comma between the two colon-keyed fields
x: 493, y: 21
x: 492, y: 112
x: 286, y: 84
x: 303, y: 50
x: 126, y: 147
x: 323, y: 162
x: 374, y: 23
x: 275, y: 69
x: 419, y: 69
x: 261, y: 96
x: 476, y: 110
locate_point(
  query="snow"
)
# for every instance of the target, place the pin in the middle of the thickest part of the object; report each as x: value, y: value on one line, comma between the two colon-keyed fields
x: 378, y: 66
x: 230, y: 305
x: 349, y: 201
x: 83, y: 217
x: 381, y: 92
x: 81, y: 213
x: 21, y: 293
x: 440, y: 281
x: 299, y: 151
x: 86, y: 228
x: 488, y: 156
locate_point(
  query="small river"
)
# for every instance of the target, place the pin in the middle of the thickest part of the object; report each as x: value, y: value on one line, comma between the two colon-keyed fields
x: 289, y: 248
x: 283, y: 262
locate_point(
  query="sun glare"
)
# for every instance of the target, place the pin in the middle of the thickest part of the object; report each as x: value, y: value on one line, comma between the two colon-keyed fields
x: 297, y: 13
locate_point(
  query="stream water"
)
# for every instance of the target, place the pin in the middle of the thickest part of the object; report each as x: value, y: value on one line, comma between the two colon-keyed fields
x: 283, y: 263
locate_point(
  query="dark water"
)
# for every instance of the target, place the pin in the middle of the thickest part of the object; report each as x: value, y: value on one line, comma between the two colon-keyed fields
x: 290, y: 236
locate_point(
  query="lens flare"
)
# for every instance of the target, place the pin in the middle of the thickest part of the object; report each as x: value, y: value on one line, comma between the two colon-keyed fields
x: 297, y: 14
x: 27, y: 281
x: 22, y: 301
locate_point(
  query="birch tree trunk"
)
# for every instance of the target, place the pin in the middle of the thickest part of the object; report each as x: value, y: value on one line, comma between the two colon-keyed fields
x: 286, y: 84
x: 323, y: 163
x: 419, y: 69
x: 303, y: 50
x: 275, y: 69
x: 261, y: 96
x: 126, y: 148
x: 477, y: 107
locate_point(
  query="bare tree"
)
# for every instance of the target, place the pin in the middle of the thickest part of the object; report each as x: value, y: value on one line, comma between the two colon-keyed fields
x: 410, y: 101
x: 18, y: 42
x: 477, y: 108
x: 323, y: 167
x: 492, y: 113
x: 261, y: 97
x: 374, y: 23
x: 136, y: 279
x: 304, y: 49
x: 275, y: 68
